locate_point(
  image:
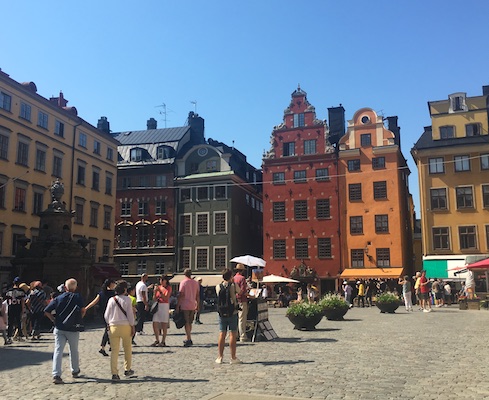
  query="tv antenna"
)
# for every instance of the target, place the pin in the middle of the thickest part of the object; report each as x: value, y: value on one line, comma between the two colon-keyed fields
x: 194, y: 102
x: 164, y: 111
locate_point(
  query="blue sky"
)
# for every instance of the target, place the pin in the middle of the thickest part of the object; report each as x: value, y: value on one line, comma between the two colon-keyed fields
x: 240, y: 61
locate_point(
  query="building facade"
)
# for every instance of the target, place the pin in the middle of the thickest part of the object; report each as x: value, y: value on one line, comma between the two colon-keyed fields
x: 145, y: 211
x: 301, y: 226
x: 376, y: 212
x: 219, y: 211
x: 42, y: 140
x: 452, y: 158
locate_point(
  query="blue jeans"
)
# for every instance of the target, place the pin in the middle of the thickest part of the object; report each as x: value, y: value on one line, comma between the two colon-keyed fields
x: 60, y: 339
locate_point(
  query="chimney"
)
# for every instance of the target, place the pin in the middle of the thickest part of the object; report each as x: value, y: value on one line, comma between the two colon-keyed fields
x: 151, y: 123
x: 103, y: 125
x: 485, y: 90
x: 196, y: 124
x: 59, y: 101
x: 395, y: 129
x: 336, y: 118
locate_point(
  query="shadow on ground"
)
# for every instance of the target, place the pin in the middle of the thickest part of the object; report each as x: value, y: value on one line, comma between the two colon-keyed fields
x: 20, y: 356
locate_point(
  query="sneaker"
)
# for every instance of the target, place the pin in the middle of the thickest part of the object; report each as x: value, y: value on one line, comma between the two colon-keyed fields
x: 134, y: 343
x: 198, y: 322
x: 187, y: 343
x: 129, y: 372
x: 57, y: 380
x: 9, y: 341
x: 103, y: 352
x: 115, y: 378
x: 219, y: 360
x: 236, y: 361
x: 244, y: 339
x: 75, y: 374
x: 141, y: 333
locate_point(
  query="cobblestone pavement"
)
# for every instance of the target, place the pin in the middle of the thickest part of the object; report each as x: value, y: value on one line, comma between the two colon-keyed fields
x: 437, y: 355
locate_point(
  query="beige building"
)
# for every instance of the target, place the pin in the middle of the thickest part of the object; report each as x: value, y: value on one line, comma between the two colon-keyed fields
x: 42, y: 140
x: 452, y: 157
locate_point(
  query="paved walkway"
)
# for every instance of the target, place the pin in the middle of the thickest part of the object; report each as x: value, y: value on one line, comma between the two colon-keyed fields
x: 438, y: 355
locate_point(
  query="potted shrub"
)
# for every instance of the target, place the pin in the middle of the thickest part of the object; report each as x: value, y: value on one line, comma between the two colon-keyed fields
x: 304, y: 316
x: 334, y: 306
x: 387, y: 303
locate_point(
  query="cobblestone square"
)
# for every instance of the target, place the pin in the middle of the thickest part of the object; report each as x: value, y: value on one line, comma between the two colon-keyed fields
x: 437, y: 355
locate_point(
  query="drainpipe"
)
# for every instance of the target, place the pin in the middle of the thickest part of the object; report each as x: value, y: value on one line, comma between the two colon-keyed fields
x: 73, y: 165
x: 339, y: 212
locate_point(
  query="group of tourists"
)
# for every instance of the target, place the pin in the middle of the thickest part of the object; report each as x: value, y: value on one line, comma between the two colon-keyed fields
x: 124, y: 309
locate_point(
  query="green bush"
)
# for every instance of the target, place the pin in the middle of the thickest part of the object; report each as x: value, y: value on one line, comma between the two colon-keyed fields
x: 333, y: 300
x: 304, y: 309
x: 385, y: 298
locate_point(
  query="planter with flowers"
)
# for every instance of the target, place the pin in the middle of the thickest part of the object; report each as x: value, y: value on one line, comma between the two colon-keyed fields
x: 305, y: 316
x: 334, y: 307
x: 387, y: 303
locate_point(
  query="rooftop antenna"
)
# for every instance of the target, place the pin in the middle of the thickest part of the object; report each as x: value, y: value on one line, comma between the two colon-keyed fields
x: 194, y: 102
x: 163, y: 111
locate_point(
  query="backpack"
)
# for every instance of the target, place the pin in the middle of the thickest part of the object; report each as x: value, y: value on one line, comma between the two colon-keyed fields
x: 225, y: 305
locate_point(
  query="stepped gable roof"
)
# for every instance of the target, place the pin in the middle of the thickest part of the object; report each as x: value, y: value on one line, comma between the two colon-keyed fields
x: 151, y: 136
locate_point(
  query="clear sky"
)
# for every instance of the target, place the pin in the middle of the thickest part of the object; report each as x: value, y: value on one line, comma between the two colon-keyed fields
x: 240, y: 61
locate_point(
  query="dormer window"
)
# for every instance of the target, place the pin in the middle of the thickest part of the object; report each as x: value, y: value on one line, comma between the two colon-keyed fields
x: 298, y: 120
x: 164, y: 152
x: 136, y: 154
x: 457, y: 102
x: 447, y: 132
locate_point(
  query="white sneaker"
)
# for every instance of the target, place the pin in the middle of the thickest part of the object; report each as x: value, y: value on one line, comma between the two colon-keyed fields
x: 141, y: 333
x: 219, y: 360
x: 236, y: 361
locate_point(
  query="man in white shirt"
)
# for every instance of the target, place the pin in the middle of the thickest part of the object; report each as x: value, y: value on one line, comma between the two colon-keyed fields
x: 142, y: 305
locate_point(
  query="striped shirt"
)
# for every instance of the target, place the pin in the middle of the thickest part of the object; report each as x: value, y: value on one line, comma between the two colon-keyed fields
x: 37, y: 300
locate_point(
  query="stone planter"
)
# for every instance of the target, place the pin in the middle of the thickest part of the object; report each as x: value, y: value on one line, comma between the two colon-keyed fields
x: 389, y: 308
x: 335, y: 314
x: 472, y: 304
x: 305, y: 323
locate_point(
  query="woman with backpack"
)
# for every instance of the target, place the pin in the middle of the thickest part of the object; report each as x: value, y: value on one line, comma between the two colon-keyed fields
x: 227, y: 307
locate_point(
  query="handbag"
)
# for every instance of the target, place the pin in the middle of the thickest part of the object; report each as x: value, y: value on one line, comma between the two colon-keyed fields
x: 179, y: 319
x: 154, y: 308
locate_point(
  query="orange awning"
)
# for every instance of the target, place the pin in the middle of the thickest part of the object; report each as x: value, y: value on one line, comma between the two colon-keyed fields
x: 355, y: 273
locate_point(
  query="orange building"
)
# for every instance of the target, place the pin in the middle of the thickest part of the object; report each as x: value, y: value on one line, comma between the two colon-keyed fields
x: 375, y: 211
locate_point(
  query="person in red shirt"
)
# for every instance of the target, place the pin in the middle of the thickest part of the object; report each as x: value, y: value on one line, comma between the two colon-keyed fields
x: 425, y: 292
x: 242, y: 297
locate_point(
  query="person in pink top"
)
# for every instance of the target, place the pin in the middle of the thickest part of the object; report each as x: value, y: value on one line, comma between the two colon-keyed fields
x: 242, y: 296
x: 162, y: 295
x: 188, y: 303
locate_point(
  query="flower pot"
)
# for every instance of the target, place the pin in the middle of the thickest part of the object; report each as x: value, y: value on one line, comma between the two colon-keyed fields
x: 304, y: 323
x: 389, y: 308
x: 335, y: 314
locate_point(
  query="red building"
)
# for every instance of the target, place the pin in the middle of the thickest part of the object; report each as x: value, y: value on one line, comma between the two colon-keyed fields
x: 300, y: 196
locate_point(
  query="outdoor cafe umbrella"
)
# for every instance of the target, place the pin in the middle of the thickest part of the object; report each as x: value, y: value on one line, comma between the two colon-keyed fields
x: 250, y: 261
x: 278, y: 279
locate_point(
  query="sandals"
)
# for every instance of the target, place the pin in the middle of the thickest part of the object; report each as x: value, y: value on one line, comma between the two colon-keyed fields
x: 162, y: 344
x: 155, y: 344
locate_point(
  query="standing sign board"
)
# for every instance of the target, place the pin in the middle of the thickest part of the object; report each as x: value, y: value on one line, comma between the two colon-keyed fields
x: 263, y: 329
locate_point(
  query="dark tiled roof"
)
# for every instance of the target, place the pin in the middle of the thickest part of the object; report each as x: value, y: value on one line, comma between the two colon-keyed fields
x: 152, y: 136
x: 426, y: 141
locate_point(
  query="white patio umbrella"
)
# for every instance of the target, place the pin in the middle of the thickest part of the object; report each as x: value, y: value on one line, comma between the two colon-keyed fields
x: 278, y: 279
x: 250, y: 261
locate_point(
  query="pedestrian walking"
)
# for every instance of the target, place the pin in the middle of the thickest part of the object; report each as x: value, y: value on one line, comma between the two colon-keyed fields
x: 36, y: 303
x: 102, y: 299
x: 188, y: 302
x: 16, y: 307
x: 65, y: 306
x: 120, y: 318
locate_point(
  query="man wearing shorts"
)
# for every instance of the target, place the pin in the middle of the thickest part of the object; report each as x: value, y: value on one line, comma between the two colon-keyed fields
x: 188, y: 303
x: 226, y: 323
x: 425, y: 292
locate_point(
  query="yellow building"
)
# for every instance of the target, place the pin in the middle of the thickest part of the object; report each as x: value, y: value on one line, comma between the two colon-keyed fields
x: 452, y: 157
x: 41, y: 140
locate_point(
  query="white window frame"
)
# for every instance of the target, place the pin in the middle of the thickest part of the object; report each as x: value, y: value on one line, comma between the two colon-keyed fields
x: 197, y: 223
x: 196, y: 258
x: 214, y: 256
x: 226, y: 222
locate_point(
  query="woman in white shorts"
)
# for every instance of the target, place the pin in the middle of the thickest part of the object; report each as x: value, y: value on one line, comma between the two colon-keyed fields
x: 161, y: 318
